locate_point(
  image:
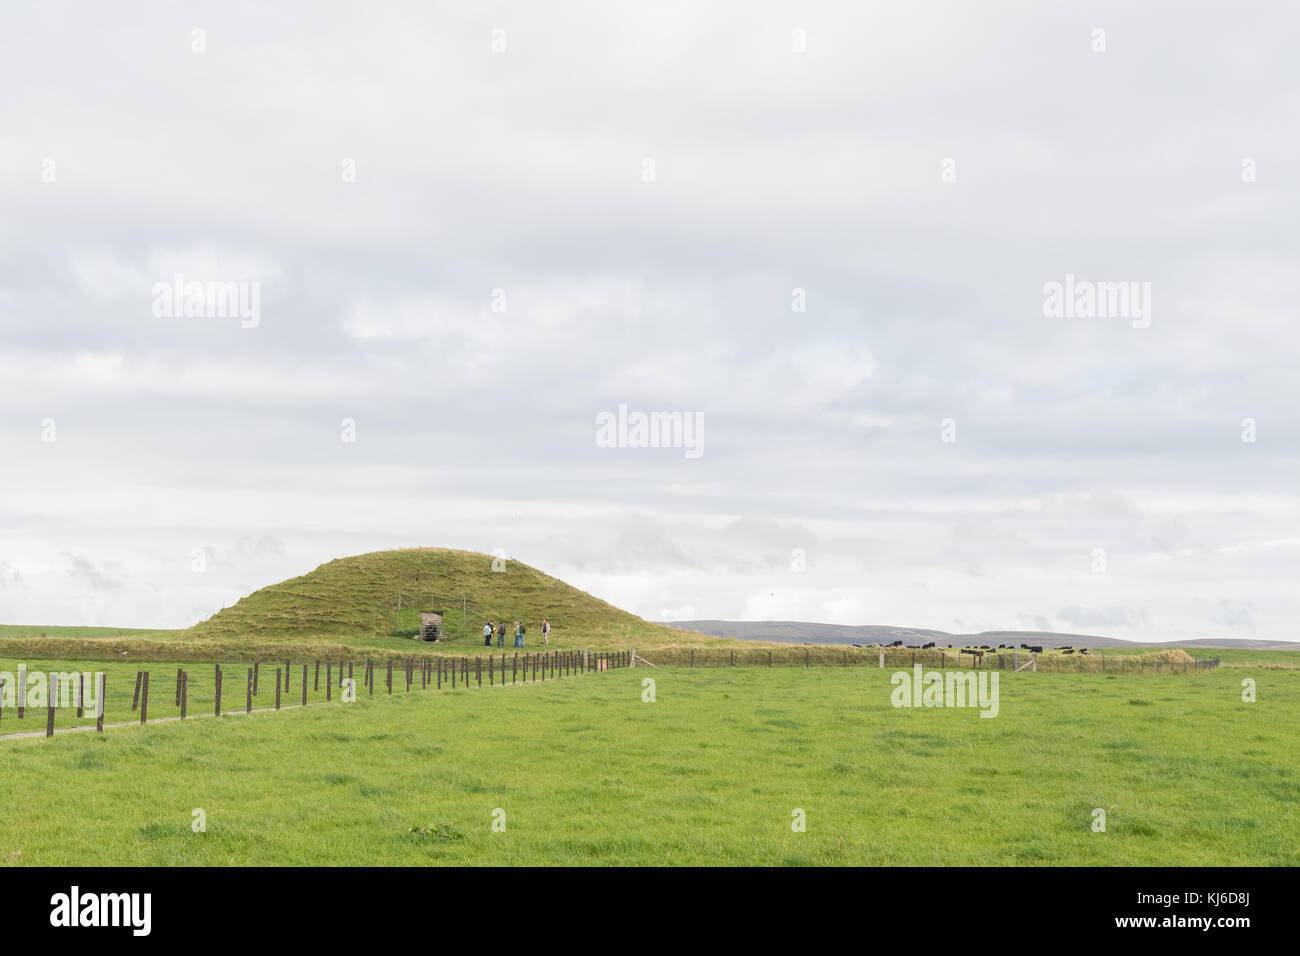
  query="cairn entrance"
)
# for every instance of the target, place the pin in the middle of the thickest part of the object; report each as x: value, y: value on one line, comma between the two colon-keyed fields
x: 431, y: 627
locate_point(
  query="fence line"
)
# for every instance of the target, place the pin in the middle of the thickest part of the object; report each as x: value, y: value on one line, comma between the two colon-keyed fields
x: 1006, y: 659
x: 433, y: 672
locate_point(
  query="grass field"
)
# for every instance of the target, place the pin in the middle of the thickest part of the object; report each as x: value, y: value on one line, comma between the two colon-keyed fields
x: 35, y: 632
x: 587, y: 773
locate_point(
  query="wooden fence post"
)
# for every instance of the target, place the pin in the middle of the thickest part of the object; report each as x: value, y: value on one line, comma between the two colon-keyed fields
x: 49, y: 717
x: 248, y: 693
x: 99, y: 704
x: 390, y: 675
x: 317, y: 680
x: 255, y: 669
x: 277, y: 688
x: 185, y: 692
x: 81, y: 694
x: 217, y: 683
x: 329, y: 680
x: 304, y: 685
x: 144, y: 699
x: 135, y: 698
x: 287, y: 672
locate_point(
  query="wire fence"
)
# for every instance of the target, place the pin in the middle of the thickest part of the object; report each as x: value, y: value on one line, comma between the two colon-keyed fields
x: 88, y: 700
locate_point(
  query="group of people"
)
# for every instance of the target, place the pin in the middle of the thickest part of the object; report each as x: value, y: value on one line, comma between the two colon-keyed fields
x: 519, y: 633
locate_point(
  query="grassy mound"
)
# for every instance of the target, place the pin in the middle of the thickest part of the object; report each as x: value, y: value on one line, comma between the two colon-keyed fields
x: 355, y: 601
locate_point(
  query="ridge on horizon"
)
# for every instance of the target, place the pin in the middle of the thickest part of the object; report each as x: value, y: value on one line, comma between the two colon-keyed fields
x: 819, y: 633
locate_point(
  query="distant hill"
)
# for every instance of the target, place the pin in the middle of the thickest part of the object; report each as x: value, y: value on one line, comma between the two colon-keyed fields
x: 802, y: 632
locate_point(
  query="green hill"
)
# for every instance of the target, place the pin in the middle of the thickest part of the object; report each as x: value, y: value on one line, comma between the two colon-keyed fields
x: 355, y: 601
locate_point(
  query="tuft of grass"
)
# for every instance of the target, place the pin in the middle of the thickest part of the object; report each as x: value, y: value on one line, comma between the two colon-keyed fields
x: 439, y: 831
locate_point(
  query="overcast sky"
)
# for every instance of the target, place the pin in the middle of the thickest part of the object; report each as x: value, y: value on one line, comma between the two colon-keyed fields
x: 475, y: 227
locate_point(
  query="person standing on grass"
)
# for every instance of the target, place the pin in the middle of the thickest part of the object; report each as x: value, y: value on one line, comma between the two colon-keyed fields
x: 546, y: 632
x: 519, y: 634
x: 487, y: 634
x: 501, y: 634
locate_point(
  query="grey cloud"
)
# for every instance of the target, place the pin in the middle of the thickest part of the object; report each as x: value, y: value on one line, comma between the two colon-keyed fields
x: 1079, y: 618
x: 9, y: 576
x: 85, y: 573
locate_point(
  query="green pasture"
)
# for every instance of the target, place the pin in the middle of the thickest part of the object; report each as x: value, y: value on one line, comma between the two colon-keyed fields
x: 586, y: 772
